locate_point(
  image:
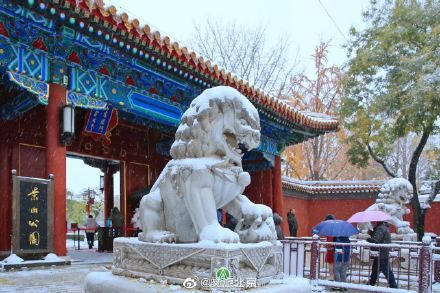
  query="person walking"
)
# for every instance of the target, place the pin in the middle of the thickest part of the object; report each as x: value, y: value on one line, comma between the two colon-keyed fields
x: 330, y: 254
x: 117, y: 221
x: 381, y: 235
x: 342, y: 258
x: 293, y: 223
x: 91, y: 226
x: 277, y: 219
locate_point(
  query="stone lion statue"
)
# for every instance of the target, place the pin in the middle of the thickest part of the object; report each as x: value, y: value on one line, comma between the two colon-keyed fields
x: 393, y: 197
x: 205, y: 174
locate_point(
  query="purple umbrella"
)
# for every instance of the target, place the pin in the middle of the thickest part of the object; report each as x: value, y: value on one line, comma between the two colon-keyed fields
x: 369, y: 216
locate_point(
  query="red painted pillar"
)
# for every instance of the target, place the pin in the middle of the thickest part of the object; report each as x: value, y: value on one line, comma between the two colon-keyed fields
x: 259, y: 187
x: 278, y: 204
x: 108, y: 192
x: 56, y: 164
x: 253, y: 191
x: 5, y: 196
x: 267, y: 188
x: 248, y: 191
x: 123, y: 192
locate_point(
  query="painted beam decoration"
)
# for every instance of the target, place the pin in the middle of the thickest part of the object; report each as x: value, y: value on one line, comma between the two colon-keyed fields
x: 108, y: 61
x: 32, y: 221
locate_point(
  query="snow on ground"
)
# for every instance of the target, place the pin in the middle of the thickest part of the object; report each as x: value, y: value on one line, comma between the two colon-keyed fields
x: 360, y: 287
x: 83, y: 244
x: 72, y: 278
x: 13, y: 259
x: 55, y: 279
x: 52, y: 257
x: 106, y: 282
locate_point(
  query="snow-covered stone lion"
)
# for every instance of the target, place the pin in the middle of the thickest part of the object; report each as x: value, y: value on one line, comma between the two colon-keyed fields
x: 393, y: 197
x: 206, y: 174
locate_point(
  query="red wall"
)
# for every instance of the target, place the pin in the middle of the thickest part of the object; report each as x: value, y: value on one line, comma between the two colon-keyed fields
x: 341, y: 208
x: 432, y: 220
x: 301, y: 207
x: 311, y: 212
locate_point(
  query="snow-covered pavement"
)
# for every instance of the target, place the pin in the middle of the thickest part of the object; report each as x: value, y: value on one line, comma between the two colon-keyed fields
x: 72, y: 278
x: 58, y: 279
x: 68, y: 279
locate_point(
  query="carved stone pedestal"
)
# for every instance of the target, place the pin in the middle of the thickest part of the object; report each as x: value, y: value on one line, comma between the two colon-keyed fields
x: 404, y: 237
x: 248, y: 265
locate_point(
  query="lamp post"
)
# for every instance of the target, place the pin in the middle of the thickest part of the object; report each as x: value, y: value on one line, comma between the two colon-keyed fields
x: 101, y: 182
x: 68, y: 124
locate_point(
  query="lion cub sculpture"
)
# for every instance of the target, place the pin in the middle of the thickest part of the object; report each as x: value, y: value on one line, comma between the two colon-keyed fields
x: 206, y: 174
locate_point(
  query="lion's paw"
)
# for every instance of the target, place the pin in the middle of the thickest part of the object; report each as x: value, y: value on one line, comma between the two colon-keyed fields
x: 256, y: 230
x: 158, y: 237
x: 215, y: 232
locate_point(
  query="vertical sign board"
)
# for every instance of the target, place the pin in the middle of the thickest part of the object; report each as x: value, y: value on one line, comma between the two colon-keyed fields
x: 32, y: 217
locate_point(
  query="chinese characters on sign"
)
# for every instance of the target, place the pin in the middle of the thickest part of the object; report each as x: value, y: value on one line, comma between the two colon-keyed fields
x: 33, y: 215
x: 98, y: 121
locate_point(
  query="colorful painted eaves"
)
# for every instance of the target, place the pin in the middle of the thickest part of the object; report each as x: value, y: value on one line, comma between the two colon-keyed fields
x: 141, y: 39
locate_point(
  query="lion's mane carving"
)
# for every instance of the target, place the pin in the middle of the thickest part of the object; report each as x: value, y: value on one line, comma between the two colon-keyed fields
x: 392, y: 199
x: 195, y: 137
x: 206, y: 174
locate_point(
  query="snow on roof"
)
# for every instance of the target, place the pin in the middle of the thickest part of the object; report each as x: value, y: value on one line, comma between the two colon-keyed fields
x: 142, y: 37
x: 340, y: 186
x: 319, y: 116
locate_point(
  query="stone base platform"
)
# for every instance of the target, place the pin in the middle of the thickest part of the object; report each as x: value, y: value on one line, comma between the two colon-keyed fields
x: 106, y: 282
x: 204, y: 264
x: 394, y: 237
x: 32, y: 264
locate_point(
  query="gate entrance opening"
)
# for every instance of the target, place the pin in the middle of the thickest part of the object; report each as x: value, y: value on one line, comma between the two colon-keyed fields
x: 92, y: 188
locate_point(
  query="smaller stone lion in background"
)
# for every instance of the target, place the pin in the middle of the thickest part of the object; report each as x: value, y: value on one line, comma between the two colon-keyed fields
x: 394, y: 195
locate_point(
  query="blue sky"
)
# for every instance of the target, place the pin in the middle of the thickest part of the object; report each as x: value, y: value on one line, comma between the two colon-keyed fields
x: 304, y: 22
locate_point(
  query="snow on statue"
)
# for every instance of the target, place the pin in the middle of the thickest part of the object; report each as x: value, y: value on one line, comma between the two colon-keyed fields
x: 206, y: 174
x: 393, y: 197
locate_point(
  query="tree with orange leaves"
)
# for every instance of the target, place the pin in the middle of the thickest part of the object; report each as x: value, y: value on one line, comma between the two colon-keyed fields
x: 319, y: 157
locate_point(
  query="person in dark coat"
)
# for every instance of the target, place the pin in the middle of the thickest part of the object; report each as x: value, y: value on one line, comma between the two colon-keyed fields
x: 91, y: 226
x: 277, y: 221
x: 231, y: 222
x: 117, y: 221
x: 220, y: 216
x: 293, y: 223
x: 381, y: 235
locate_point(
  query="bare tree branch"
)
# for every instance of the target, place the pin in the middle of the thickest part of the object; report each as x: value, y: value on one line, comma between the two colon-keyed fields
x: 380, y: 161
x: 244, y: 52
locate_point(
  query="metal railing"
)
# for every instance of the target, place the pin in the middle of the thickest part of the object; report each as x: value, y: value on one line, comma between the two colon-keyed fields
x: 412, y: 264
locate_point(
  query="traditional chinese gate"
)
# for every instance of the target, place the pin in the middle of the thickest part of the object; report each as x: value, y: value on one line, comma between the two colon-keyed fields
x: 83, y: 54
